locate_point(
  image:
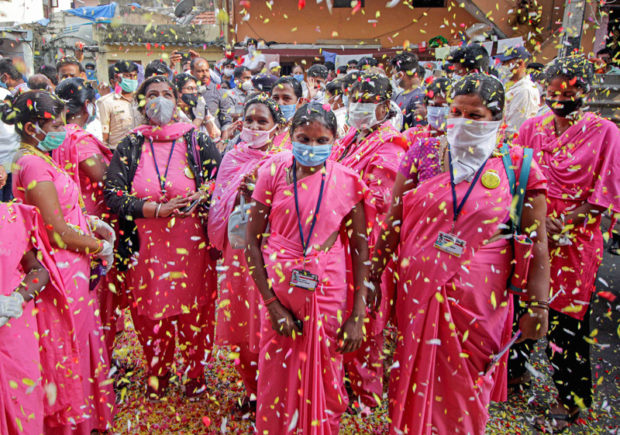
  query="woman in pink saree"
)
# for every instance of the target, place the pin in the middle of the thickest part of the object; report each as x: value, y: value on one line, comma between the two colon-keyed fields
x: 85, y: 159
x: 372, y: 148
x: 579, y: 153
x: 314, y: 207
x: 39, y: 181
x: 238, y: 316
x: 287, y: 93
x: 453, y: 309
x: 158, y: 178
x: 22, y: 278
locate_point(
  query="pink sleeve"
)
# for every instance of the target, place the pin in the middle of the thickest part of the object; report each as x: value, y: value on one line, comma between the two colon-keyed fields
x: 266, y: 182
x: 34, y: 169
x: 606, y: 189
x: 87, y: 149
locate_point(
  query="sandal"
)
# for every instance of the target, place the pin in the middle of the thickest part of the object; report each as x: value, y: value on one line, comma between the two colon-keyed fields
x: 556, y: 422
x: 247, y: 405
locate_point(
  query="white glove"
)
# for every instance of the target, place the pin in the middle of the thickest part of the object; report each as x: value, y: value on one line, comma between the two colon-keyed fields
x: 102, y: 228
x: 3, y: 320
x: 200, y: 110
x: 106, y: 254
x: 12, y: 305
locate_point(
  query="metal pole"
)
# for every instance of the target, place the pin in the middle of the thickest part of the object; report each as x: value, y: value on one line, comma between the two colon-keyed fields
x: 572, y: 26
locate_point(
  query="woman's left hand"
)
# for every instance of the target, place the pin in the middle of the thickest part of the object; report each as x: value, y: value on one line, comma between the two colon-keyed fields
x: 200, y: 196
x: 247, y: 186
x: 533, y: 324
x: 351, y: 334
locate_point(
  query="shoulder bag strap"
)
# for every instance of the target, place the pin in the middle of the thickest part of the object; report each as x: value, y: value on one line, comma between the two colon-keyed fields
x: 523, y: 178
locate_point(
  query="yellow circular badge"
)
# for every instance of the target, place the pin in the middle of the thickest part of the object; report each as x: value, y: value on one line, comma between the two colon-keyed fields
x: 190, y: 174
x: 490, y: 179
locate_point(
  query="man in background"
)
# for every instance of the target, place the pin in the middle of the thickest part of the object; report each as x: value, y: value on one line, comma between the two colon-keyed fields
x: 221, y: 108
x: 116, y: 109
x: 409, y: 93
x: 522, y: 96
x: 69, y: 66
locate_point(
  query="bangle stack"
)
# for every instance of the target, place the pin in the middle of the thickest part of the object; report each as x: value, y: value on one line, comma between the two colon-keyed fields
x: 157, y: 209
x: 539, y: 304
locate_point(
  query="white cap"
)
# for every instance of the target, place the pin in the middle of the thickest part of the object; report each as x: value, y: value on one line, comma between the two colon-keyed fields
x: 273, y: 65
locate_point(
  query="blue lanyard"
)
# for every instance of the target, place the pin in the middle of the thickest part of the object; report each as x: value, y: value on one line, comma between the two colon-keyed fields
x: 306, y: 243
x: 457, y: 208
x: 162, y: 182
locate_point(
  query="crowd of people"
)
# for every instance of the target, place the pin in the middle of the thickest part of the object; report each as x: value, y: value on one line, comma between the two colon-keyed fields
x: 293, y: 218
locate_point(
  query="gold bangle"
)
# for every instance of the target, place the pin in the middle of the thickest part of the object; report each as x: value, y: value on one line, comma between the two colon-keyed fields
x: 99, y: 248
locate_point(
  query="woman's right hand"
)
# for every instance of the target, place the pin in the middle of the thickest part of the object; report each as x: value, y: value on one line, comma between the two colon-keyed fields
x: 282, y: 320
x: 167, y: 208
x: 246, y: 188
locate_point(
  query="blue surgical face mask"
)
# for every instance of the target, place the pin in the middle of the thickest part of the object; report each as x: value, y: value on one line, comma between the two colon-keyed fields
x: 52, y: 139
x: 308, y: 155
x: 288, y: 110
x: 299, y: 77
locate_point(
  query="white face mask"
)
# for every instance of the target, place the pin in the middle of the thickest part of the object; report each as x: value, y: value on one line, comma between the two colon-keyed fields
x: 505, y: 72
x: 247, y: 86
x: 436, y: 116
x: 471, y: 144
x: 362, y: 115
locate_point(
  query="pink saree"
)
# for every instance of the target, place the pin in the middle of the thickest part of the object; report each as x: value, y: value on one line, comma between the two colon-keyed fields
x: 582, y: 165
x: 40, y: 339
x: 452, y: 312
x: 376, y: 159
x: 238, y: 316
x: 301, y: 382
x: 79, y: 146
x: 96, y: 396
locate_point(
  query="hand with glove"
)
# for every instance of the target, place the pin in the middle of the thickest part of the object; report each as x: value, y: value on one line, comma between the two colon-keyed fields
x: 106, y: 254
x: 200, y: 109
x: 12, y: 305
x: 102, y: 229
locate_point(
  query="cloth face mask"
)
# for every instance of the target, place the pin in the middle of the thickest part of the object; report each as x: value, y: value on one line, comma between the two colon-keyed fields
x: 256, y: 138
x: 563, y: 108
x: 471, y: 144
x: 160, y: 110
x: 308, y: 155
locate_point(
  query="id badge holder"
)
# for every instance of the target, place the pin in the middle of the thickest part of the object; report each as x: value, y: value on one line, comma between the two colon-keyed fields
x: 303, y: 279
x: 450, y: 244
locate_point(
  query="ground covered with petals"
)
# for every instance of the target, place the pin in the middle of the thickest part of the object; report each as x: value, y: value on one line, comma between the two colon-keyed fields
x: 217, y: 412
